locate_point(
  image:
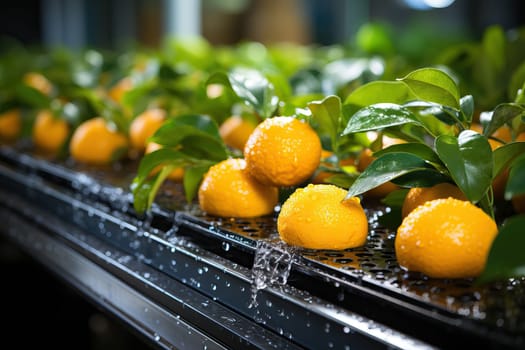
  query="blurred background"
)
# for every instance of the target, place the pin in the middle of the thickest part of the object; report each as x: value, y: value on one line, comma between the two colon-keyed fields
x: 114, y: 24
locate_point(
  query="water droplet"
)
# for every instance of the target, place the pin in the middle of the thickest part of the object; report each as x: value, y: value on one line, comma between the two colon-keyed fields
x: 346, y: 329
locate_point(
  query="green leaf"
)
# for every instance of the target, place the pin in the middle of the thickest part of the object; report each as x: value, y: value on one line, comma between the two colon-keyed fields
x: 506, y: 258
x: 493, y: 43
x: 31, y: 97
x: 378, y: 116
x: 203, y: 147
x: 504, y: 113
x: 433, y: 85
x: 469, y: 161
x: 327, y: 115
x: 195, y: 135
x: 144, y: 186
x: 505, y: 155
x: 466, y: 104
x: 385, y: 169
x: 419, y: 149
x: 421, y: 178
x: 516, y: 181
x: 516, y: 83
x: 395, y: 198
x: 252, y: 87
x: 192, y: 179
x: 375, y: 92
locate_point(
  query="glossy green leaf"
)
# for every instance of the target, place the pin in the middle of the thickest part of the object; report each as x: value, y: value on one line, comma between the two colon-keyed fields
x: 203, y: 147
x: 378, y: 116
x: 516, y: 181
x: 419, y: 149
x: 326, y: 114
x: 192, y: 179
x: 145, y: 186
x: 468, y: 158
x: 504, y: 113
x: 195, y: 135
x: 466, y: 104
x: 375, y: 92
x: 506, y: 154
x: 421, y: 178
x: 252, y: 87
x: 506, y: 258
x: 433, y: 85
x: 385, y: 169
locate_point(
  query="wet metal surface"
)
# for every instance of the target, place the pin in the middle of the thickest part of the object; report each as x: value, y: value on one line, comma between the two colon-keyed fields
x: 333, y: 293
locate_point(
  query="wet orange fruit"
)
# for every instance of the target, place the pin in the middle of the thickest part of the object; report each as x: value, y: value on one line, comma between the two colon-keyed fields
x: 445, y: 238
x: 419, y: 195
x: 319, y: 217
x: 228, y: 190
x: 235, y: 131
x: 282, y: 151
x: 95, y: 142
x: 144, y: 126
x: 10, y: 125
x: 176, y: 175
x: 49, y: 132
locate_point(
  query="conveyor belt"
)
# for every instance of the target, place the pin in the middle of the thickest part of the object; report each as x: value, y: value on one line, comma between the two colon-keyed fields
x: 313, y: 299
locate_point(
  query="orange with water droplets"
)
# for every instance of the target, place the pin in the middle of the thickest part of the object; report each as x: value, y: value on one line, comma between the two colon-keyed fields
x: 445, y: 238
x: 282, y: 151
x: 228, y: 190
x: 420, y: 195
x: 319, y: 217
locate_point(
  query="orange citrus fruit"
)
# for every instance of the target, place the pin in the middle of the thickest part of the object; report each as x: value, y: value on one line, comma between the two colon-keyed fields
x: 10, y: 125
x: 176, y: 175
x: 49, y: 132
x: 117, y: 91
x: 419, y: 195
x: 282, y: 151
x: 95, y: 142
x: 445, y: 238
x: 228, y: 190
x: 235, y: 131
x: 319, y: 217
x: 144, y: 126
x: 38, y: 82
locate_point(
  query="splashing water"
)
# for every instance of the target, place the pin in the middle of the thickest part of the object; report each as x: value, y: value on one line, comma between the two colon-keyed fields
x: 271, y: 266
